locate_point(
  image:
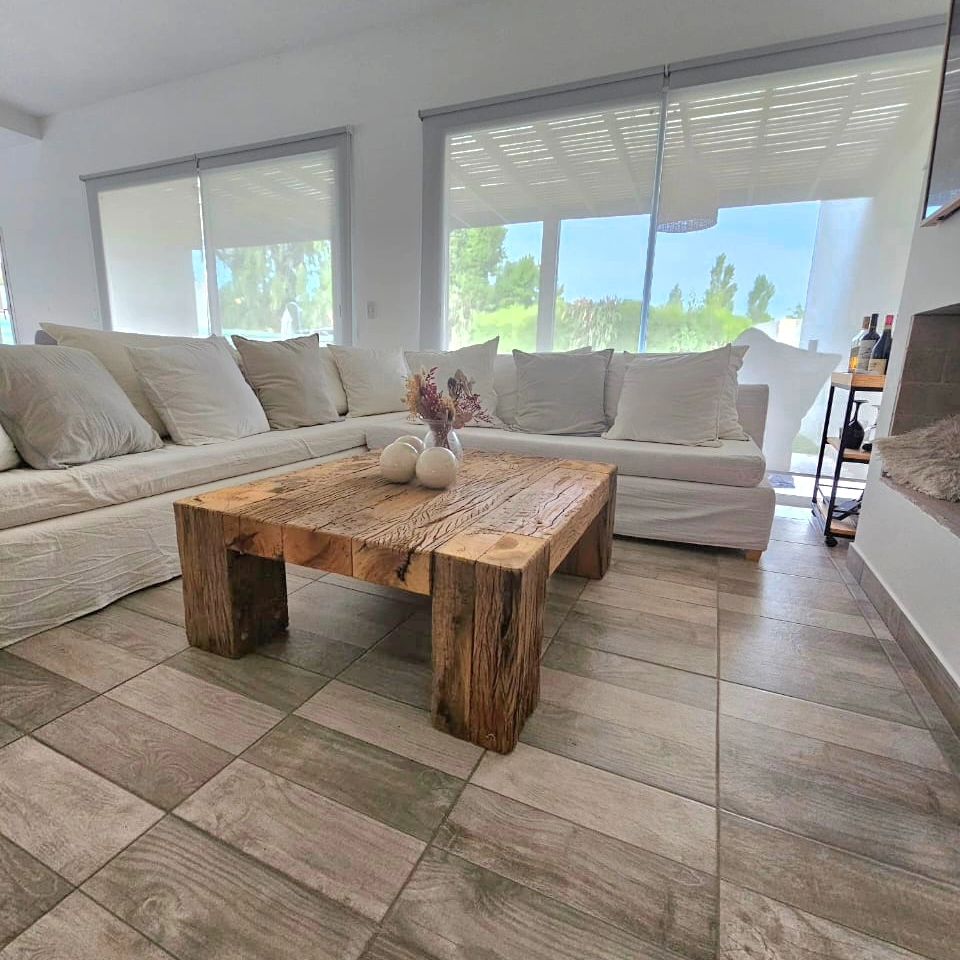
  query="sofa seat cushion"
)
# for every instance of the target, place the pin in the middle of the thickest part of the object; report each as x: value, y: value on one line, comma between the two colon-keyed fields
x: 735, y: 463
x: 29, y: 496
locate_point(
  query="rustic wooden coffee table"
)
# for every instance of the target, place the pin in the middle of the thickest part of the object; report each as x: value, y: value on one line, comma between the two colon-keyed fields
x: 482, y: 549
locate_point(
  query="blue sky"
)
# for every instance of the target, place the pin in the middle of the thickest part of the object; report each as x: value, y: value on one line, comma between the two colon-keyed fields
x: 605, y: 257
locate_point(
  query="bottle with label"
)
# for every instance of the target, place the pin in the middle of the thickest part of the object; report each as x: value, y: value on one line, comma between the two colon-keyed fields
x: 881, y: 350
x: 855, y: 345
x: 867, y: 343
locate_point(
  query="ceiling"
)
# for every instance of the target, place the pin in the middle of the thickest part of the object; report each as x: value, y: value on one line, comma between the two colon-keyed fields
x: 59, y: 54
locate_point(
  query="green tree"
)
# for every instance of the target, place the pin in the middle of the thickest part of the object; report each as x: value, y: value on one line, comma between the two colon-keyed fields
x: 476, y: 254
x: 798, y: 312
x: 257, y: 283
x: 517, y: 282
x: 722, y: 289
x: 758, y: 299
x: 676, y: 297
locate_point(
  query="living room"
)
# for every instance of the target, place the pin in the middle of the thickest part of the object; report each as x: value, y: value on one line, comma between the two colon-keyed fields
x: 301, y: 658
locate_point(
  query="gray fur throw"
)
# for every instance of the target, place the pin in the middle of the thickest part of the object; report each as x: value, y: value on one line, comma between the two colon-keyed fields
x: 926, y: 459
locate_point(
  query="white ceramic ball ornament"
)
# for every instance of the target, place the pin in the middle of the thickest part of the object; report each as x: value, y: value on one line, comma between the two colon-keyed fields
x: 414, y: 442
x: 437, y: 468
x: 398, y: 462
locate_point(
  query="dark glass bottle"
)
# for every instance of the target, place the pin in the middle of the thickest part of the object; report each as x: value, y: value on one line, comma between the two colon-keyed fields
x: 881, y: 350
x: 867, y: 344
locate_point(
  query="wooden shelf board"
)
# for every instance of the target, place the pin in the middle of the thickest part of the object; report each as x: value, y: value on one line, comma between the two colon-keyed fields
x: 859, y: 381
x: 839, y: 528
x: 854, y: 456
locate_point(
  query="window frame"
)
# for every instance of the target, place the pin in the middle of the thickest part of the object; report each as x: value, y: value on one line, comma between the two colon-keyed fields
x: 337, y: 141
x: 440, y: 122
x: 5, y: 281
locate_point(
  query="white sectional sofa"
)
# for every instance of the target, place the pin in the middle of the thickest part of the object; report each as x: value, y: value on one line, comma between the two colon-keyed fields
x: 75, y: 540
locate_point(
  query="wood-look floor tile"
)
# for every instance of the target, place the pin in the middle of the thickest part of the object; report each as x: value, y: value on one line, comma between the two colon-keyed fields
x: 77, y: 657
x: 783, y: 556
x: 164, y: 602
x: 149, y: 758
x: 652, y: 678
x: 392, y: 725
x: 374, y: 589
x: 265, y: 679
x: 892, y: 811
x: 616, y: 580
x: 796, y: 530
x: 7, y: 733
x: 625, y: 598
x: 753, y: 926
x: 694, y: 566
x: 387, y: 946
x: 673, y: 643
x: 346, y: 615
x: 27, y: 890
x: 626, y: 750
x: 67, y: 817
x: 307, y: 573
x: 399, y: 666
x: 798, y: 611
x: 451, y: 908
x: 402, y: 793
x: 654, y: 898
x: 924, y: 703
x: 202, y: 900
x: 30, y: 695
x: 886, y: 902
x: 349, y: 857
x: 885, y: 738
x: 949, y: 744
x: 653, y: 819
x: 223, y: 718
x: 79, y: 929
x: 312, y: 652
x: 143, y: 636
x: 760, y: 584
x: 827, y: 666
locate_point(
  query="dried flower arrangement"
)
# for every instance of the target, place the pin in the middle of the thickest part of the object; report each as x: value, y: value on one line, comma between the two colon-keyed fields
x: 444, y: 412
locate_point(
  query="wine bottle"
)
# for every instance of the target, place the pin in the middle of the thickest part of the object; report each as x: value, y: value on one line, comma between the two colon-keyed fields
x: 881, y: 349
x: 867, y: 344
x: 855, y: 345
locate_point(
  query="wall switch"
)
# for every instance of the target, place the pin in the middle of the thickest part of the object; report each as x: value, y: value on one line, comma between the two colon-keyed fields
x: 371, y: 310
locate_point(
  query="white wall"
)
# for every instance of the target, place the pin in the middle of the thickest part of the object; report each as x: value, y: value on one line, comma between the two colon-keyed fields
x: 917, y: 559
x: 376, y: 82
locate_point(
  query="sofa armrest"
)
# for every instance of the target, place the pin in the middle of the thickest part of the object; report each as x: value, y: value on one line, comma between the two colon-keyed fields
x: 752, y: 400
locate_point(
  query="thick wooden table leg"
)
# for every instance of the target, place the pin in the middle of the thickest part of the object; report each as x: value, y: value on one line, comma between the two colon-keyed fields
x: 590, y: 556
x: 232, y: 601
x: 487, y: 632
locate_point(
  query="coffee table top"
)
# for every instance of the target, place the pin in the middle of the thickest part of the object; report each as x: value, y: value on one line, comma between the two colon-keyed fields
x: 343, y: 517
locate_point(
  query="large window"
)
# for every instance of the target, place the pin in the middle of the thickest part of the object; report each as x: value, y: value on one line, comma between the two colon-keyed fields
x: 254, y: 242
x: 784, y: 198
x: 7, y: 329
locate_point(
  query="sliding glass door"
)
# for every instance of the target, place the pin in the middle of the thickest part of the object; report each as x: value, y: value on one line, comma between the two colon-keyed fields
x: 254, y: 242
x: 784, y: 205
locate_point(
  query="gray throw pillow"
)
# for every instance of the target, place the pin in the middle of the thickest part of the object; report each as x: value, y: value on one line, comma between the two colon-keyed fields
x: 199, y: 392
x: 561, y: 393
x: 289, y: 380
x: 62, y: 408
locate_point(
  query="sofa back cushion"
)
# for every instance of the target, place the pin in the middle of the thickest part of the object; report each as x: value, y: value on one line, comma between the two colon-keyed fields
x: 199, y: 391
x: 9, y: 458
x: 331, y: 376
x: 61, y: 408
x: 110, y: 348
x: 289, y: 380
x: 672, y: 398
x: 561, y: 393
x: 372, y: 379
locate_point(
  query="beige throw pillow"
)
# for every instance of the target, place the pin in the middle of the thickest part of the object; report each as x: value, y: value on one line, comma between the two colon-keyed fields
x: 288, y: 379
x: 199, y: 392
x: 332, y: 377
x: 672, y: 399
x: 61, y: 408
x: 476, y: 362
x: 9, y: 458
x: 110, y: 348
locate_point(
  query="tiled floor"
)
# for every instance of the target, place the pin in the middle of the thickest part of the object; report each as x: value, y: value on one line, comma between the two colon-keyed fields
x: 158, y: 802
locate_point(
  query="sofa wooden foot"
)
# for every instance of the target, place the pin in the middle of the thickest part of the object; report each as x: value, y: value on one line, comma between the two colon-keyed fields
x: 753, y: 555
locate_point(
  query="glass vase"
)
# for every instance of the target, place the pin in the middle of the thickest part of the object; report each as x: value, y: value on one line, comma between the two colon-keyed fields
x: 440, y: 433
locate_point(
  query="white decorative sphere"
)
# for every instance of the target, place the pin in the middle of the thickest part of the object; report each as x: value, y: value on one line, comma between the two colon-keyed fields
x: 398, y: 463
x: 414, y: 442
x: 437, y: 468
